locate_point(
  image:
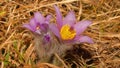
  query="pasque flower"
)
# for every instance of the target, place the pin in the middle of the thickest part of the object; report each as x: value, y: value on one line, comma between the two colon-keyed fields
x: 68, y: 29
x: 39, y: 25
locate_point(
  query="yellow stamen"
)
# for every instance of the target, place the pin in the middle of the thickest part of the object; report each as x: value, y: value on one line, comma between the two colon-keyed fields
x: 67, y: 33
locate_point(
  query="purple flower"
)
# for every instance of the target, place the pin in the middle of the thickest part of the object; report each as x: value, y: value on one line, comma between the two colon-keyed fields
x: 39, y: 25
x: 46, y: 38
x: 68, y: 29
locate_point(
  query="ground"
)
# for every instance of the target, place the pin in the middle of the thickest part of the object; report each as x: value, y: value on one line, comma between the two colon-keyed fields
x: 17, y: 45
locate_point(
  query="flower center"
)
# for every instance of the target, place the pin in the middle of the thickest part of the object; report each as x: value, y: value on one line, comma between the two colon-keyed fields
x: 67, y: 33
x: 38, y: 27
x: 37, y: 30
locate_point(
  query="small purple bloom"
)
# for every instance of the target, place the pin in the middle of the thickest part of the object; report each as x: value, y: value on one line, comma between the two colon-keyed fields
x: 39, y: 25
x: 68, y: 29
x: 46, y: 38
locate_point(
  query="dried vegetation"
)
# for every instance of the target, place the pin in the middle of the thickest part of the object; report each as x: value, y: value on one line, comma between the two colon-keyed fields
x: 17, y: 46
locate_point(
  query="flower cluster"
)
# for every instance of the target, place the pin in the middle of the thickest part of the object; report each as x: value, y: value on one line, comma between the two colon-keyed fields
x: 66, y: 30
x: 39, y: 25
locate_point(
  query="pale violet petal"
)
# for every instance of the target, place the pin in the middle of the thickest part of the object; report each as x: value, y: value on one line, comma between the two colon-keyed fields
x: 33, y: 23
x: 28, y: 26
x: 58, y: 17
x: 38, y: 31
x: 39, y: 18
x: 83, y: 39
x: 44, y: 27
x: 55, y: 30
x: 81, y: 26
x: 48, y: 17
x: 70, y: 18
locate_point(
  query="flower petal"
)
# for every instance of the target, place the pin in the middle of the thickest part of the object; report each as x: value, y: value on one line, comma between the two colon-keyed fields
x: 55, y: 30
x: 33, y: 24
x: 48, y: 17
x: 58, y: 16
x: 70, y: 18
x: 44, y: 27
x: 28, y: 26
x: 38, y: 31
x: 46, y: 38
x: 83, y: 39
x: 39, y: 18
x: 81, y: 26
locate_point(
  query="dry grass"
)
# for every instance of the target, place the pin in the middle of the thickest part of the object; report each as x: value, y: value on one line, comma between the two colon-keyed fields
x: 17, y: 46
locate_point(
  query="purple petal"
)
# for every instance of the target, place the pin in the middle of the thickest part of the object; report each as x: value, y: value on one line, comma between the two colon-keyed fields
x: 46, y: 38
x: 33, y: 23
x: 38, y: 31
x: 58, y: 16
x: 39, y: 18
x: 48, y: 17
x: 46, y: 22
x: 70, y: 18
x: 28, y: 27
x: 55, y: 30
x: 44, y: 27
x: 81, y: 26
x: 83, y: 39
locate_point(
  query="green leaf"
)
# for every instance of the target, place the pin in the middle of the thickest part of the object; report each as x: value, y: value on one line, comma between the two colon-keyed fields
x: 7, y: 56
